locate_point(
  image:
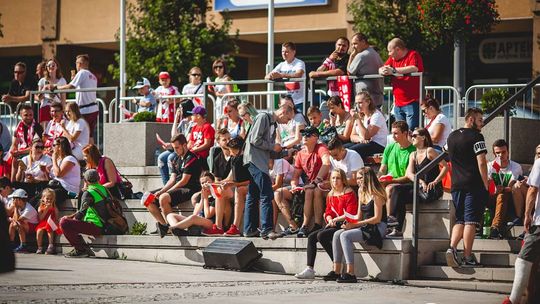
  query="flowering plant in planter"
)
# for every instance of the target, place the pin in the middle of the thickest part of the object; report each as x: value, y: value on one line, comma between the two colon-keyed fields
x: 445, y: 21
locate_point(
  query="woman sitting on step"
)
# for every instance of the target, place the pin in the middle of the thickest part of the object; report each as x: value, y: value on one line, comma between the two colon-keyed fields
x: 108, y: 174
x: 340, y: 199
x: 66, y: 171
x: 32, y: 172
x: 368, y: 226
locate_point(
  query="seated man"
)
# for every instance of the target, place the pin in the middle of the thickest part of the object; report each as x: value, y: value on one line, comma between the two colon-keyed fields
x: 504, y: 173
x: 89, y: 219
x: 54, y: 127
x: 183, y: 183
x: 6, y: 189
x: 314, y: 161
x: 24, y: 219
x: 345, y: 159
x: 26, y: 131
x: 392, y: 175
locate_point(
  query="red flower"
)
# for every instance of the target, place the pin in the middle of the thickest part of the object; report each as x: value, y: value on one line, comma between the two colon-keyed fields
x: 452, y: 1
x: 469, y: 2
x: 467, y: 19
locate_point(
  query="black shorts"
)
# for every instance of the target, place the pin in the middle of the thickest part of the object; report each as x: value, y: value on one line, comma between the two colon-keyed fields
x: 531, y: 248
x: 178, y: 196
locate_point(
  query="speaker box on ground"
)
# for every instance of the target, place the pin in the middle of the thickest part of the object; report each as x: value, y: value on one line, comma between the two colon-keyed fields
x: 232, y: 254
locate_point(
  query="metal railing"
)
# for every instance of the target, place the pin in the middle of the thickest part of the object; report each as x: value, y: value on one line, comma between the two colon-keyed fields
x: 116, y: 115
x: 525, y: 108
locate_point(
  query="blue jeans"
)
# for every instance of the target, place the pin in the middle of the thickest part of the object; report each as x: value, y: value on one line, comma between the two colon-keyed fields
x: 260, y: 188
x: 165, y: 165
x: 409, y: 113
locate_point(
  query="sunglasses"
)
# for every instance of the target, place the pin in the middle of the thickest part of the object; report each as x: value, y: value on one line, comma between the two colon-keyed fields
x: 196, y: 75
x: 19, y: 72
x: 218, y: 67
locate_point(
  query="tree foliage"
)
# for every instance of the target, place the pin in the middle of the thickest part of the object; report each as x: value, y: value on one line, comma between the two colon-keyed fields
x: 382, y: 20
x: 442, y: 21
x: 424, y: 25
x: 173, y: 36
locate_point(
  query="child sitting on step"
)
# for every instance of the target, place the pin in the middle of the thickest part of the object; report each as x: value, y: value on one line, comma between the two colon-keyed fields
x: 203, y: 214
x: 48, y: 221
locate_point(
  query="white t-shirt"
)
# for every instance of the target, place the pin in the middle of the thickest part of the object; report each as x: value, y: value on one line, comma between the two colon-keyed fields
x: 352, y: 162
x: 7, y: 201
x: 295, y: 89
x: 376, y: 119
x: 508, y: 174
x: 192, y: 89
x: 440, y: 119
x: 282, y: 166
x: 82, y: 140
x: 84, y: 79
x: 50, y: 98
x: 72, y: 180
x: 534, y: 181
x: 35, y: 168
x: 29, y: 213
x: 287, y: 132
x: 165, y: 109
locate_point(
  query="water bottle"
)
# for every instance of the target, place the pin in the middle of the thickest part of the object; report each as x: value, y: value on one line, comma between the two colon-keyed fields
x: 486, y: 227
x: 156, y: 156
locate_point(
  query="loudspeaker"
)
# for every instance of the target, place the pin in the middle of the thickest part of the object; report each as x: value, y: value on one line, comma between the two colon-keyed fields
x: 230, y: 254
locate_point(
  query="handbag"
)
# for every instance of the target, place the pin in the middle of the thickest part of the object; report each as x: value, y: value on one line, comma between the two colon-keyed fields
x: 328, y: 134
x: 372, y: 235
x: 430, y: 195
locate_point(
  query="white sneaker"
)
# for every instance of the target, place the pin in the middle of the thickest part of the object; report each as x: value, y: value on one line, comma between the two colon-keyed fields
x: 307, y: 274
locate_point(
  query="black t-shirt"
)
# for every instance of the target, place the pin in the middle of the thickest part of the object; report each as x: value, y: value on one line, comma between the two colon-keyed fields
x: 18, y: 89
x: 342, y: 64
x: 189, y: 164
x: 239, y: 171
x: 463, y: 146
x: 221, y: 166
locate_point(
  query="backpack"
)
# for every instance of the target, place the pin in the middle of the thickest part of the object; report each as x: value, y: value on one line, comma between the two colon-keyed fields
x: 116, y: 224
x: 297, y: 206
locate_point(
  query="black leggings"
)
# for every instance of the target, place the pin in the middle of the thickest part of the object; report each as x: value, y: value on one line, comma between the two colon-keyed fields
x: 323, y: 236
x: 400, y: 196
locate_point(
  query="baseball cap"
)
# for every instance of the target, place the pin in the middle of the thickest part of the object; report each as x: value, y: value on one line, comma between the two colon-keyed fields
x: 187, y: 106
x: 164, y: 75
x: 142, y: 83
x: 198, y: 110
x: 19, y: 193
x: 310, y: 131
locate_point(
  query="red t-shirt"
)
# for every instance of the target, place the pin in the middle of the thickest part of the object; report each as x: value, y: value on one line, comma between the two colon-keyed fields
x: 310, y: 163
x: 198, y: 135
x: 406, y: 89
x: 335, y: 205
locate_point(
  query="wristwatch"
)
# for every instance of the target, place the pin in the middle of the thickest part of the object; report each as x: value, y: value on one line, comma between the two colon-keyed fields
x: 394, y: 70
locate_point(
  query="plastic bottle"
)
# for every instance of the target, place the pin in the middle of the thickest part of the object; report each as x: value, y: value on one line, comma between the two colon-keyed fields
x: 486, y: 227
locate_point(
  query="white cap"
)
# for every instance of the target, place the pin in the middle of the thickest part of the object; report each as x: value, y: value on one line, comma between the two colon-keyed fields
x: 142, y: 83
x: 19, y: 193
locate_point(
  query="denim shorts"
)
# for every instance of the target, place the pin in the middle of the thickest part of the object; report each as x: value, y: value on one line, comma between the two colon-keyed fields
x: 470, y: 205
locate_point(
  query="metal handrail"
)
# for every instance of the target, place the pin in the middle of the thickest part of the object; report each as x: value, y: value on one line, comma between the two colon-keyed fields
x: 428, y: 167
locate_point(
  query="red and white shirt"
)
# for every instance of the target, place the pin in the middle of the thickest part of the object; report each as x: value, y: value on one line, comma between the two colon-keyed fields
x: 165, y: 109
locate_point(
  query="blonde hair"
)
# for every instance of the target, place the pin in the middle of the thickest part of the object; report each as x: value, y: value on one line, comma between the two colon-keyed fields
x: 370, y: 186
x: 51, y: 193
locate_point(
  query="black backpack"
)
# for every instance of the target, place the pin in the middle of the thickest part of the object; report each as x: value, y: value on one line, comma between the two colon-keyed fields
x: 297, y: 206
x: 116, y: 223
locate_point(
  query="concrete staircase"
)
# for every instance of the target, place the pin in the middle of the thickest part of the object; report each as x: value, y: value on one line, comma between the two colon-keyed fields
x: 288, y: 255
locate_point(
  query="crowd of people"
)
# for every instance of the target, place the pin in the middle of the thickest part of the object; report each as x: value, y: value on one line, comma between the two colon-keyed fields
x: 335, y: 180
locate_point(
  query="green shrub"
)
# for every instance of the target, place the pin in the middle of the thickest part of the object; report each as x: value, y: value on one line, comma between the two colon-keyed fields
x: 491, y: 100
x: 145, y: 116
x: 138, y: 228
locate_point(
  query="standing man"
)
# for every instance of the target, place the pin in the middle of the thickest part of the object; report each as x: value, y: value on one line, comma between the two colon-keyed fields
x: 467, y: 150
x: 84, y: 79
x: 19, y: 91
x: 530, y: 252
x: 259, y: 147
x: 334, y: 65
x: 406, y: 88
x: 291, y: 67
x: 364, y: 60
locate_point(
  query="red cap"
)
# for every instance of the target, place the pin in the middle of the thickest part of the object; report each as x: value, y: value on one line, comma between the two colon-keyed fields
x: 164, y: 75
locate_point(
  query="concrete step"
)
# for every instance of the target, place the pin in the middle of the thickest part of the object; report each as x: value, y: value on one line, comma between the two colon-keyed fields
x: 498, y: 274
x: 482, y: 245
x: 285, y: 255
x: 143, y: 178
x: 498, y: 259
x: 495, y: 287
